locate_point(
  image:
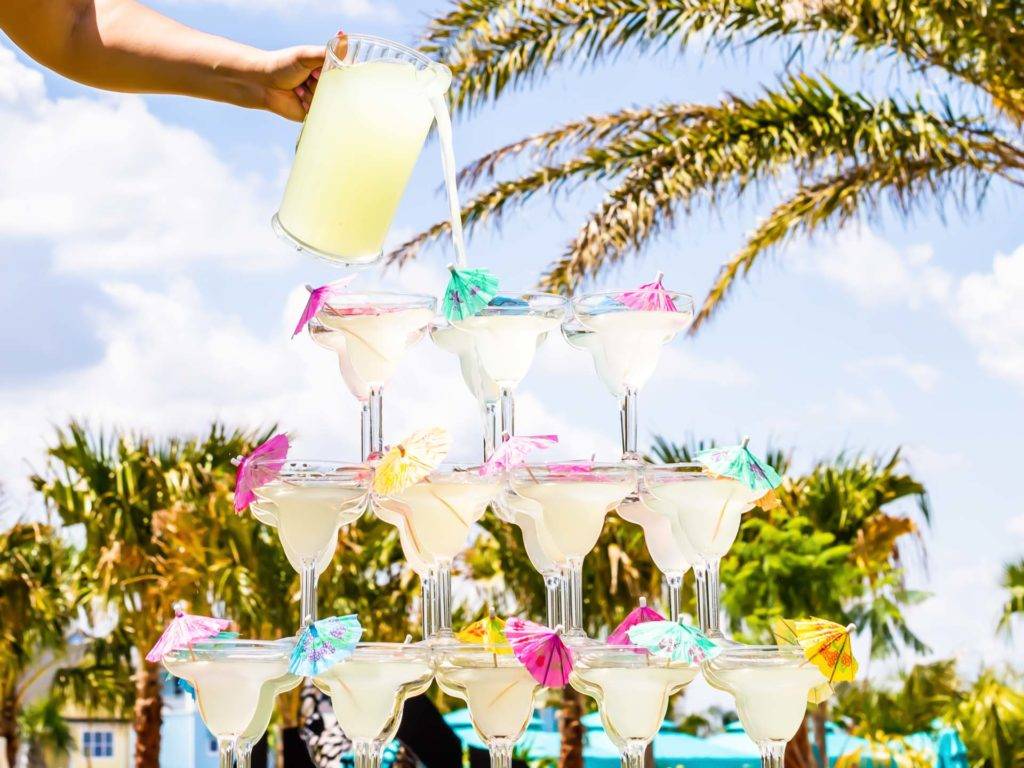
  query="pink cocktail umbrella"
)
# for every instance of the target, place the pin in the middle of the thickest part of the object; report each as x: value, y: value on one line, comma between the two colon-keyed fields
x: 639, y: 615
x: 541, y: 650
x: 318, y: 297
x: 650, y: 296
x: 184, y: 630
x: 513, y: 450
x: 259, y: 468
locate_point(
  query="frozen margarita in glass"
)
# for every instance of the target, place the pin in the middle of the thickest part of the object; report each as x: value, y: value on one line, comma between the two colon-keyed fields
x: 625, y: 331
x: 569, y: 505
x: 671, y: 554
x: 235, y: 683
x: 368, y: 689
x: 308, y: 502
x: 370, y: 333
x: 506, y: 334
x: 497, y: 689
x: 632, y: 689
x: 770, y: 685
x: 705, y: 513
x: 434, y: 518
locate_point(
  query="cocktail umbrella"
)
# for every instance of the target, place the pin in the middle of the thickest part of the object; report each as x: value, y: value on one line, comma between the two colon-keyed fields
x: 737, y: 462
x: 324, y: 643
x: 468, y: 292
x: 513, y: 450
x: 259, y: 468
x: 541, y: 650
x: 183, y: 631
x: 317, y: 298
x: 650, y: 296
x: 411, y: 460
x: 826, y: 645
x: 673, y: 640
x: 488, y: 631
x: 639, y: 615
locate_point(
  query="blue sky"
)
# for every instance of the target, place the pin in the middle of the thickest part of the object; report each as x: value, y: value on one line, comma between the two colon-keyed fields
x: 142, y: 287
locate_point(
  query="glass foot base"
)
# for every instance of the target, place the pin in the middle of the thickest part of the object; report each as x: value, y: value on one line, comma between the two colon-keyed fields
x: 357, y: 262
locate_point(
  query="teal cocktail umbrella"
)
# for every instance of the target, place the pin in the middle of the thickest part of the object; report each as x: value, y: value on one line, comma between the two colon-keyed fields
x: 468, y: 292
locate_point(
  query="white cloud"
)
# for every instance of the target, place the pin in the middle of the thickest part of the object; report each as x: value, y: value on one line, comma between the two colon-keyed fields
x: 868, y: 405
x: 989, y: 310
x: 105, y: 184
x: 874, y: 271
x: 1015, y: 525
x: 922, y: 375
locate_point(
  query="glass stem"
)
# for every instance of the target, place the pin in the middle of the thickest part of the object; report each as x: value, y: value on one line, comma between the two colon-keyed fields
x: 773, y: 754
x: 364, y: 433
x: 307, y: 592
x: 368, y: 753
x: 243, y: 753
x: 633, y: 753
x: 627, y: 421
x: 708, y: 595
x: 574, y: 621
x: 443, y: 601
x: 491, y: 428
x: 508, y: 411
x: 674, y: 583
x: 428, y: 588
x: 501, y: 752
x: 226, y: 750
x: 553, y: 595
x: 376, y: 427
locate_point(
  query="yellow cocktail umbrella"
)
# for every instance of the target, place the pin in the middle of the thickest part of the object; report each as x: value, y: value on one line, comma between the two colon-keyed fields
x: 827, y: 645
x: 488, y: 631
x: 411, y: 460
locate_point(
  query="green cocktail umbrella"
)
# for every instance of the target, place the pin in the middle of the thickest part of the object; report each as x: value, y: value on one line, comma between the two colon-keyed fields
x: 674, y: 641
x: 738, y: 463
x: 468, y: 292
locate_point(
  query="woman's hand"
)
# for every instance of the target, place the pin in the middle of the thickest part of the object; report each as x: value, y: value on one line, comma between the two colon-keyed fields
x: 287, y: 79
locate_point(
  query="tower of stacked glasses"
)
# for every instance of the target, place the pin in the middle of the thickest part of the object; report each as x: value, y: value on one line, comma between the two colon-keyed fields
x: 374, y: 106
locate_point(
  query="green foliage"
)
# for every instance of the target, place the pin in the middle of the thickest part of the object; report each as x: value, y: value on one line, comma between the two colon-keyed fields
x: 922, y: 695
x: 783, y: 566
x: 42, y: 725
x: 1013, y: 583
x: 842, y: 153
x: 990, y: 719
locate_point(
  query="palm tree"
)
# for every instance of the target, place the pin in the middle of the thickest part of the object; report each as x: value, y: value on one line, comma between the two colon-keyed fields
x: 156, y: 528
x: 848, y: 152
x: 1013, y: 583
x: 36, y: 608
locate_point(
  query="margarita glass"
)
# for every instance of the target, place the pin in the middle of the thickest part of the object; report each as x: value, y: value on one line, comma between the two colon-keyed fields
x: 434, y: 518
x: 672, y: 555
x: 632, y: 689
x: 370, y: 333
x: 374, y: 104
x: 626, y: 345
x: 704, y: 513
x: 770, y: 684
x: 308, y: 502
x: 541, y: 551
x: 480, y: 385
x: 506, y: 334
x: 570, y: 502
x: 235, y: 683
x: 264, y: 712
x: 367, y: 690
x: 498, y: 690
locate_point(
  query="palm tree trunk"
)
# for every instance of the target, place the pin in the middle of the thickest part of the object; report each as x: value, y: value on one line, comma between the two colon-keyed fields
x: 9, y: 729
x: 148, y: 703
x: 798, y: 750
x: 820, y: 716
x: 571, y: 729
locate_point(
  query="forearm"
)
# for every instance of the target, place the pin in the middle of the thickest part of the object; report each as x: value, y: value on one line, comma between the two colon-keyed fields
x: 124, y: 46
